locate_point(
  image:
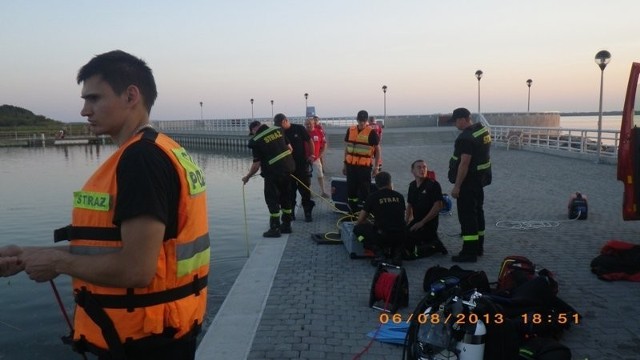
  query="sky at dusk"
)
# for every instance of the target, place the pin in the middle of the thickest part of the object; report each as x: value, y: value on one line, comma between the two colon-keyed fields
x: 340, y: 52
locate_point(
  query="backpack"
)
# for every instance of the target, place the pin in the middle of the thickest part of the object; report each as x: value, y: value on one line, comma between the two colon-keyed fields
x: 525, y: 291
x: 466, y: 279
x: 514, y: 271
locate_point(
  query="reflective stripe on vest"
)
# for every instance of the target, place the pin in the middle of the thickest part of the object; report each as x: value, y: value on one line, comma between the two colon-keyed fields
x: 279, y: 156
x: 358, y: 150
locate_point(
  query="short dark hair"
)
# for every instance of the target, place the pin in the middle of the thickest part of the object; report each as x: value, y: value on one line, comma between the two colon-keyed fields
x: 383, y: 179
x: 120, y: 70
x: 363, y: 115
x: 413, y: 164
x: 278, y: 119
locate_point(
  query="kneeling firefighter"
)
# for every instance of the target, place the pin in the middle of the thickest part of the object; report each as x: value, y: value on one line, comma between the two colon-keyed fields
x: 272, y: 154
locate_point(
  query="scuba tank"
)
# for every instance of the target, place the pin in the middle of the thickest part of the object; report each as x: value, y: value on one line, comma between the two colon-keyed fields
x: 471, y: 335
x: 471, y: 346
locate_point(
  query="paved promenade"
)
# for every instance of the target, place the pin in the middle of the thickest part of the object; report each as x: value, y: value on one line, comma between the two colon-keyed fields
x: 317, y: 304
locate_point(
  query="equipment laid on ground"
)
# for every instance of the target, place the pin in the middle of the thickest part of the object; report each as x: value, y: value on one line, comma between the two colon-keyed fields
x: 618, y: 260
x: 354, y: 247
x: 578, y: 208
x: 389, y: 288
x: 339, y: 192
x: 490, y: 323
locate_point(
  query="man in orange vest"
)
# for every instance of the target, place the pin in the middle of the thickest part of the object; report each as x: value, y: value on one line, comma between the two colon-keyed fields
x: 138, y: 250
x: 361, y: 158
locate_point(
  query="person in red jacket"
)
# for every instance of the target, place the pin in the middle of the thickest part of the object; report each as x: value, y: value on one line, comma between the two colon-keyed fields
x: 319, y: 147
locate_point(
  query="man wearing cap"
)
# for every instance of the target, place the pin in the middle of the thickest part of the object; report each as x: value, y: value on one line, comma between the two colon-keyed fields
x: 361, y: 154
x: 272, y: 154
x: 302, y: 148
x: 469, y: 172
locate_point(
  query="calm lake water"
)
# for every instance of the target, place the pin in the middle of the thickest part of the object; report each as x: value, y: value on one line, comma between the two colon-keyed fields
x: 611, y: 122
x: 36, y: 186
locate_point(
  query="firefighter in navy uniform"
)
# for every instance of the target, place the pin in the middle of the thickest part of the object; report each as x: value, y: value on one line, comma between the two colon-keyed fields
x: 361, y: 155
x: 272, y: 154
x: 469, y: 172
x: 386, y: 236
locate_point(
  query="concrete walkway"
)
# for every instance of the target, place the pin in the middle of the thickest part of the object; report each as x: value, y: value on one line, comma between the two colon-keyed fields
x: 317, y: 304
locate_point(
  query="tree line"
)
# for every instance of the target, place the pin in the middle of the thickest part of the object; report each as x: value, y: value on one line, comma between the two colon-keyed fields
x: 14, y: 116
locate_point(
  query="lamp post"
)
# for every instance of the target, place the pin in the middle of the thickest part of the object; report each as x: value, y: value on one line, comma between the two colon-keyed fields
x: 384, y: 91
x: 529, y: 81
x: 306, y: 96
x: 251, y: 100
x: 602, y: 59
x: 200, y: 110
x: 479, y: 76
x: 272, y: 109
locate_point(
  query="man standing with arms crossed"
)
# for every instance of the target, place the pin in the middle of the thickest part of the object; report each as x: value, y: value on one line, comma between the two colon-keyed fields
x: 138, y: 250
x: 361, y: 155
x: 469, y: 172
x: 302, y: 151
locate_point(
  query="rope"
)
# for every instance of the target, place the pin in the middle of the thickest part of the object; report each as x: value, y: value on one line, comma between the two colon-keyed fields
x: 246, y: 227
x: 531, y: 224
x: 64, y: 312
x: 383, y: 290
x: 384, y: 287
x: 59, y: 300
x: 330, y: 203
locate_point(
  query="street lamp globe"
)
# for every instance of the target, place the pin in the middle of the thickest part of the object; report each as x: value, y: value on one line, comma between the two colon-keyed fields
x: 602, y: 58
x: 384, y: 90
x: 529, y: 81
x: 479, y: 76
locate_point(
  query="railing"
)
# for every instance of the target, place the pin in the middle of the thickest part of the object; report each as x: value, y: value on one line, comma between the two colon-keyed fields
x: 222, y: 126
x: 583, y: 141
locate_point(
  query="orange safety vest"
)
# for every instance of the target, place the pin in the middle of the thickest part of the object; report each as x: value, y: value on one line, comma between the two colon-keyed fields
x: 173, y: 305
x: 359, y: 151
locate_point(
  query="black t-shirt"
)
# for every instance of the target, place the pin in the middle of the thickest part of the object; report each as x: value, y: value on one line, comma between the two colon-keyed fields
x: 422, y: 198
x: 298, y: 136
x: 387, y: 207
x: 148, y: 184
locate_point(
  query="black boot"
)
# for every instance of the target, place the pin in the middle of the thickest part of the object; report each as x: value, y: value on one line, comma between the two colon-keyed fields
x: 274, y: 228
x: 469, y: 252
x: 396, y: 256
x: 285, y: 227
x: 378, y: 257
x: 307, y: 211
x: 440, y: 247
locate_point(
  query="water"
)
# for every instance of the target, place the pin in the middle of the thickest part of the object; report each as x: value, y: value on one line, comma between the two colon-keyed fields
x: 609, y: 122
x: 36, y: 186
